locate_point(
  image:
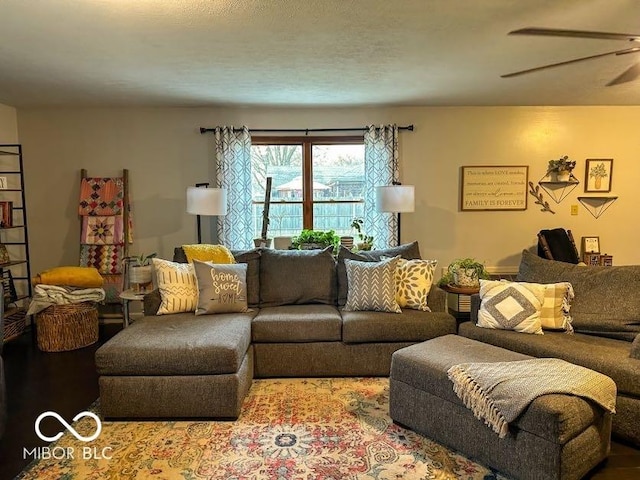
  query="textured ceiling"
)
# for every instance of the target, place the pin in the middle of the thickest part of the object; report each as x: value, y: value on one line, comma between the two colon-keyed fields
x: 310, y: 53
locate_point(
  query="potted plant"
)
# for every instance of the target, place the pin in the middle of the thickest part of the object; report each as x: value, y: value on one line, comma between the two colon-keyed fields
x: 598, y: 173
x: 365, y: 241
x: 315, y: 239
x: 140, y: 273
x: 561, y: 168
x: 464, y: 272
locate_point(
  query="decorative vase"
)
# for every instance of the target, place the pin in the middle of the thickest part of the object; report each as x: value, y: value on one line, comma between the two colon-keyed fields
x: 466, y: 277
x: 598, y: 183
x: 563, y: 175
x: 281, y: 243
x: 141, y: 277
x: 346, y: 242
x: 261, y: 242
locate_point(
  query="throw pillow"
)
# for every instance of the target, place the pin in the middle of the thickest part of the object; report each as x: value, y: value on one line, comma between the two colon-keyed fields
x: 510, y: 306
x: 177, y: 285
x: 408, y: 250
x: 372, y: 286
x: 208, y: 253
x: 555, y: 314
x: 221, y: 288
x: 413, y: 283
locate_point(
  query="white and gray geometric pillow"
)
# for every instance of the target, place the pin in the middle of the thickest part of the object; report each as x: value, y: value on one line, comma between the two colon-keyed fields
x: 372, y: 286
x: 511, y: 306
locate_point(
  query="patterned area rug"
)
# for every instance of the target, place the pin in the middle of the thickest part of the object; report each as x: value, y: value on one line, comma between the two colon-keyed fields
x: 289, y: 429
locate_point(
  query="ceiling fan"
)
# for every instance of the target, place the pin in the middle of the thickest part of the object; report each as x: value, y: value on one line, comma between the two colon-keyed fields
x: 630, y: 74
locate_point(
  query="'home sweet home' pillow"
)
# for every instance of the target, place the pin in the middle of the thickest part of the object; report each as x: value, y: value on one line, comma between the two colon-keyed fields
x: 222, y: 287
x: 511, y: 306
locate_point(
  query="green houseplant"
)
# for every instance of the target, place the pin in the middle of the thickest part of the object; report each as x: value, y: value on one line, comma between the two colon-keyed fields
x: 365, y: 242
x: 312, y: 239
x: 140, y: 273
x: 561, y: 168
x: 464, y: 272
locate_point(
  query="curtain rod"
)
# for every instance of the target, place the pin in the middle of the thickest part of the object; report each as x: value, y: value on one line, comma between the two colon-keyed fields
x: 303, y: 130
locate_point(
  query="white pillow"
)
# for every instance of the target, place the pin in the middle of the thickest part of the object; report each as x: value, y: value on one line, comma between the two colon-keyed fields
x: 511, y: 306
x: 177, y: 286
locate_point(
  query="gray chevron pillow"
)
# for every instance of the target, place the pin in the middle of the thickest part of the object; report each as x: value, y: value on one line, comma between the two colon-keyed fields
x: 372, y: 285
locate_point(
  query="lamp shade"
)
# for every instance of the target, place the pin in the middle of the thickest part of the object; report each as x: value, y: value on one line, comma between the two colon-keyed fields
x: 395, y: 198
x: 206, y: 201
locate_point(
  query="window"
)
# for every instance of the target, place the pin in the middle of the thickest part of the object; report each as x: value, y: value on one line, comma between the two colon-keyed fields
x: 318, y: 183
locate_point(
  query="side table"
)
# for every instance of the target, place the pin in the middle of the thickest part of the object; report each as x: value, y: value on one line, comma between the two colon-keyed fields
x: 127, y: 296
x: 459, y: 297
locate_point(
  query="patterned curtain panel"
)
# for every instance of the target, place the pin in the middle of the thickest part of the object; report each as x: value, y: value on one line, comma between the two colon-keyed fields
x: 380, y: 168
x: 233, y: 172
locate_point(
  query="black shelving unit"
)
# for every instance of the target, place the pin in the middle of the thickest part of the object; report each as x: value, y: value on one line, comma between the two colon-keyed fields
x: 14, y: 235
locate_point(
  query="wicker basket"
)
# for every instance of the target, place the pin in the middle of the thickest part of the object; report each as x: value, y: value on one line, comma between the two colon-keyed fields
x: 67, y: 327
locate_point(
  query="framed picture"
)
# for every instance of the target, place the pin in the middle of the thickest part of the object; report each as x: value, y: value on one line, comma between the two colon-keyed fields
x: 590, y: 244
x: 598, y: 173
x: 494, y: 187
x: 591, y: 259
x: 606, y: 260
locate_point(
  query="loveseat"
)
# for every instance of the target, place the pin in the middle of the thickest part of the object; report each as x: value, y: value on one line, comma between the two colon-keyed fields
x: 606, y: 320
x: 186, y: 365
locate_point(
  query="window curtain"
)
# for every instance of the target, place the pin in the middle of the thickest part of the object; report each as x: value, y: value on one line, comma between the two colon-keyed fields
x: 380, y: 168
x: 233, y: 173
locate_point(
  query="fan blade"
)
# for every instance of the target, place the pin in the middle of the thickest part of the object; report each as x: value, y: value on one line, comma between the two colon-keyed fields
x: 629, y: 75
x: 554, y: 32
x: 575, y: 60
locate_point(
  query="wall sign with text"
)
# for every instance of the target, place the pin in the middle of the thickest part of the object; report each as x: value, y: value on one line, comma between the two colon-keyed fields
x: 496, y: 187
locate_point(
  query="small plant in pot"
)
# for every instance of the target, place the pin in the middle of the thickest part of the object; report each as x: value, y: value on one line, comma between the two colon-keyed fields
x: 140, y: 273
x: 365, y: 242
x: 315, y: 239
x: 560, y: 170
x: 464, y: 272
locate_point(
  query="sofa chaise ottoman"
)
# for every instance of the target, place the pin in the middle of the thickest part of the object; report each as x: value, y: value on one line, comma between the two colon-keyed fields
x: 556, y: 437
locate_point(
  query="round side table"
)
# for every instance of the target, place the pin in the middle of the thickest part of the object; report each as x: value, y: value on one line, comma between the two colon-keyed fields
x: 462, y: 298
x: 127, y: 296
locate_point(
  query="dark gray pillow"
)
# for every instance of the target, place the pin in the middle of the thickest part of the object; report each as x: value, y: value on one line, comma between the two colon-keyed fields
x: 409, y: 251
x: 151, y: 302
x: 222, y: 288
x: 606, y: 299
x: 290, y: 277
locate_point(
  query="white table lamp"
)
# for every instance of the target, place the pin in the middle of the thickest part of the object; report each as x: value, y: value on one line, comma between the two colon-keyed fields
x: 206, y: 201
x: 396, y: 199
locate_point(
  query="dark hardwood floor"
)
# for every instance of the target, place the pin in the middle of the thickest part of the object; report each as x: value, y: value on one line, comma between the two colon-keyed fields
x: 66, y: 382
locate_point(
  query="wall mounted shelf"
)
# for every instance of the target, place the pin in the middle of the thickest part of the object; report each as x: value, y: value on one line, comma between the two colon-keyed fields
x: 558, y: 190
x: 596, y: 206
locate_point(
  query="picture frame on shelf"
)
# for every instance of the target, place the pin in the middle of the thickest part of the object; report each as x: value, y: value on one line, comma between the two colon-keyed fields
x: 598, y: 173
x: 6, y: 214
x: 606, y: 260
x: 590, y: 244
x: 591, y: 259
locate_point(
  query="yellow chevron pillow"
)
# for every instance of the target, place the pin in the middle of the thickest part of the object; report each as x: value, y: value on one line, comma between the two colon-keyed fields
x: 208, y: 253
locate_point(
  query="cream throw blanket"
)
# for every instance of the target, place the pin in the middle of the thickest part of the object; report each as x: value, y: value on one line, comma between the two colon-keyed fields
x: 499, y: 392
x: 46, y: 295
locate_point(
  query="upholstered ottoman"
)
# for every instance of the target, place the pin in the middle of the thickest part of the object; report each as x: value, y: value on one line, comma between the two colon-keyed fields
x: 556, y: 437
x: 179, y: 365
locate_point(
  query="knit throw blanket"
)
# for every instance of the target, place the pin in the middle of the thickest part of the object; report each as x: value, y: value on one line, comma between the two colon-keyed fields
x: 499, y: 392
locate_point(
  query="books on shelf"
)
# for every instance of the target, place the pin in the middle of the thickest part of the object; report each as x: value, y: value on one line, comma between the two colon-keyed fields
x: 6, y: 214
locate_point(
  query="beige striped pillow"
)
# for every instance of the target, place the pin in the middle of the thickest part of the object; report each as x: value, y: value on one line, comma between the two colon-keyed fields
x: 177, y: 286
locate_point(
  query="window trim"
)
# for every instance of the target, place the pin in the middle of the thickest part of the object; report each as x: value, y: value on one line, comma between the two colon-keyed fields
x: 307, y: 164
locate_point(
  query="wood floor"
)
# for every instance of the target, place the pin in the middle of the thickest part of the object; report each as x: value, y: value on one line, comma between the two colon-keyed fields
x: 66, y: 382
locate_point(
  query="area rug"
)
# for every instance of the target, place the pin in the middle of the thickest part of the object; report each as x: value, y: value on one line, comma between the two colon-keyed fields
x: 329, y: 428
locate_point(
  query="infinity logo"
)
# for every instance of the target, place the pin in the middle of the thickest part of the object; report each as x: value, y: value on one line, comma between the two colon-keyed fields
x: 68, y: 427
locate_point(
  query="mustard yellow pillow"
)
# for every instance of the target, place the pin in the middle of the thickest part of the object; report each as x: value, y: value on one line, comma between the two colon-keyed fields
x: 208, y: 253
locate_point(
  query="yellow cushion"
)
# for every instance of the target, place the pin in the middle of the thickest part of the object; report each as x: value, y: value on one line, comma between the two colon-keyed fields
x: 87, y: 277
x: 208, y: 253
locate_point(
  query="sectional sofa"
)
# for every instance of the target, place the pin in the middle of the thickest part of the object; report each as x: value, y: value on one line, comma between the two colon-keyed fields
x: 186, y: 365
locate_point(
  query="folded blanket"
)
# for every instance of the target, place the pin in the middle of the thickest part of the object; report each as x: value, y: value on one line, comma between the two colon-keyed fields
x: 46, y: 295
x: 499, y: 392
x: 85, y: 277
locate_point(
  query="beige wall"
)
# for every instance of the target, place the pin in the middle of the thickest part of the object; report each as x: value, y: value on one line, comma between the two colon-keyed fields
x: 164, y: 152
x: 8, y: 124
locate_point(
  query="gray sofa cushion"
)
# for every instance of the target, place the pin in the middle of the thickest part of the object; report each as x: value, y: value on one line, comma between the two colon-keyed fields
x: 409, y: 251
x: 604, y: 355
x: 297, y: 323
x: 179, y: 344
x: 291, y: 277
x: 606, y: 298
x: 635, y: 348
x: 409, y: 326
